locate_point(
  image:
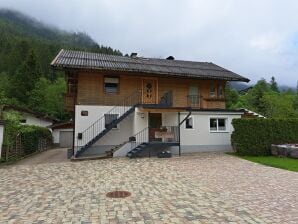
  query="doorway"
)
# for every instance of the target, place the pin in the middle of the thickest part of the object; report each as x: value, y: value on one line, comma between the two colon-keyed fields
x: 149, y: 91
x: 155, y: 123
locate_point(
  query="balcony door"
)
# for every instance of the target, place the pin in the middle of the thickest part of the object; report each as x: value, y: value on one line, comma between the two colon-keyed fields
x: 149, y: 91
x: 193, y: 96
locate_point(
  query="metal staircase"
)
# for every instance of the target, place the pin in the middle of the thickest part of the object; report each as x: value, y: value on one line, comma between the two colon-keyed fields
x: 107, y: 122
x: 142, y: 145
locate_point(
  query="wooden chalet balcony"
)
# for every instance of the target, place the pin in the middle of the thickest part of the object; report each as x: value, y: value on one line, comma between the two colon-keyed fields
x: 194, y: 101
x: 69, y: 101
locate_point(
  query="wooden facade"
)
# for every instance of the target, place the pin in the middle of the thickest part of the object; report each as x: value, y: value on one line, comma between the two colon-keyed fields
x: 186, y: 92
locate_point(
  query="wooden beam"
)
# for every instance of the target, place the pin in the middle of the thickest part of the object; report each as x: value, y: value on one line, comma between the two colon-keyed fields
x: 160, y: 110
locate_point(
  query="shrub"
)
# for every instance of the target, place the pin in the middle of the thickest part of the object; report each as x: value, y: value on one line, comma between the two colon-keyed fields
x: 21, y: 140
x: 31, y: 136
x: 254, y: 136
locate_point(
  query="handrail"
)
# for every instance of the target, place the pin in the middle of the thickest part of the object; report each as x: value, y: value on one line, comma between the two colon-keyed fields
x: 140, y: 137
x: 114, y: 108
x: 100, y: 125
x: 165, y: 132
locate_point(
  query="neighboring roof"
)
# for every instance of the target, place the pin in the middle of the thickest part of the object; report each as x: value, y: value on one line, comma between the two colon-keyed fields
x: 87, y: 60
x: 29, y: 111
x: 61, y: 125
x: 1, y: 122
x: 252, y: 113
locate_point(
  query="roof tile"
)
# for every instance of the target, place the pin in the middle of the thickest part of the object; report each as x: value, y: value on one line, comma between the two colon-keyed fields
x: 87, y: 60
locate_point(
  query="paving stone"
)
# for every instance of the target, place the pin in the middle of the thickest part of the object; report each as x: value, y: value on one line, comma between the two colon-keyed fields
x: 201, y: 188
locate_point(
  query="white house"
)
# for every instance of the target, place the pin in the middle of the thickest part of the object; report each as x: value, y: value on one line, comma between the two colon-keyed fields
x: 62, y: 134
x: 28, y: 117
x: 135, y: 106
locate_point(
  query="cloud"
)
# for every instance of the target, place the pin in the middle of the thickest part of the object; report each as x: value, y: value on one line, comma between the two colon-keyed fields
x: 268, y: 42
x: 253, y: 38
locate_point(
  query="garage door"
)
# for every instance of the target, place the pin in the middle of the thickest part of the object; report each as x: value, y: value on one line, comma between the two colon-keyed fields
x: 66, y: 139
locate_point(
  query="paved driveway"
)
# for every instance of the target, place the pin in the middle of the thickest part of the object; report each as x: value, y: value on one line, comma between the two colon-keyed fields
x: 57, y: 155
x: 205, y: 188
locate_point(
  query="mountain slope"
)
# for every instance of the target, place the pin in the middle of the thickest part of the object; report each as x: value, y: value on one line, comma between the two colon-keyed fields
x: 21, y: 33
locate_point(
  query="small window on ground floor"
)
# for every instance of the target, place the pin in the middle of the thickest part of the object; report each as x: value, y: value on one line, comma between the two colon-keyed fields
x: 189, y: 123
x: 218, y: 124
x: 110, y: 118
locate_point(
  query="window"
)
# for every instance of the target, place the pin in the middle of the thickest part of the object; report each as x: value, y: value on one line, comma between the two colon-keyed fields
x: 212, y: 90
x: 111, y: 84
x: 71, y: 84
x: 109, y: 118
x: 218, y: 124
x: 189, y: 123
x: 220, y: 91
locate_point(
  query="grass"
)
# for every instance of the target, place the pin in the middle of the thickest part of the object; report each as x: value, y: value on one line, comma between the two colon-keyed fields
x: 278, y: 162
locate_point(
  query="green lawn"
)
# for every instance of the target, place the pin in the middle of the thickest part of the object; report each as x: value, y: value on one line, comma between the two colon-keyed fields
x: 279, y: 162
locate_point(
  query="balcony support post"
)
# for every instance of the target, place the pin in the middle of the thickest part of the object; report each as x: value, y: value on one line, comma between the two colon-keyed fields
x: 179, y: 134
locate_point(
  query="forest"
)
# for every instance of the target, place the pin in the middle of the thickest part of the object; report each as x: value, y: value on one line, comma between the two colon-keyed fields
x: 265, y: 98
x: 26, y: 79
x: 27, y: 48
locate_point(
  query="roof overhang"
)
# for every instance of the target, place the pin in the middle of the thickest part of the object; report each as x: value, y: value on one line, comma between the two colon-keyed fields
x: 73, y: 60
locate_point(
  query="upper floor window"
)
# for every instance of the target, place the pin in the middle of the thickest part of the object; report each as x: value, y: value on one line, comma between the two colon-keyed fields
x: 220, y: 92
x: 111, y: 84
x: 218, y: 124
x: 71, y: 85
x: 212, y: 90
x: 189, y: 123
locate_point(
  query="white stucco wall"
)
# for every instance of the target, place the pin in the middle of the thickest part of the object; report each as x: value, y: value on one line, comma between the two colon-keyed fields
x: 200, y: 138
x: 140, y: 121
x: 1, y: 137
x: 32, y: 120
x: 113, y: 137
x: 170, y: 119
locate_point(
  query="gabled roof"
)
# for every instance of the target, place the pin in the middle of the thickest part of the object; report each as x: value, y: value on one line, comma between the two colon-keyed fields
x: 61, y: 125
x: 29, y: 111
x: 68, y: 59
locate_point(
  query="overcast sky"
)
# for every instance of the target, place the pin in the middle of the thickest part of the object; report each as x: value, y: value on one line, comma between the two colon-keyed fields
x: 254, y: 38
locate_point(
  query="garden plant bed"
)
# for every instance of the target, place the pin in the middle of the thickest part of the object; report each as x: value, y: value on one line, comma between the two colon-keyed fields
x: 287, y: 150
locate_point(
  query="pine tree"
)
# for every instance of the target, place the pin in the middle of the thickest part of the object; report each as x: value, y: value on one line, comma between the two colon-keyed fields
x: 24, y: 80
x: 273, y: 85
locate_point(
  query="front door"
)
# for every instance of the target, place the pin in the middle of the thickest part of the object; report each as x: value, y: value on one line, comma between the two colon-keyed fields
x: 154, y: 125
x: 149, y: 91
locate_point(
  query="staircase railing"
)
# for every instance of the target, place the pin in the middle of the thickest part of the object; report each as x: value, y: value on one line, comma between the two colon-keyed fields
x: 167, y: 134
x: 139, y: 138
x: 109, y: 119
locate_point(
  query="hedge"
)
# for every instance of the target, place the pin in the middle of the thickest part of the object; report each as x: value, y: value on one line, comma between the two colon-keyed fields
x: 31, y: 136
x: 254, y: 137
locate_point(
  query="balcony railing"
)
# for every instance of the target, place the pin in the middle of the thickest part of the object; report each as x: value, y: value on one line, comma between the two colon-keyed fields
x: 193, y: 101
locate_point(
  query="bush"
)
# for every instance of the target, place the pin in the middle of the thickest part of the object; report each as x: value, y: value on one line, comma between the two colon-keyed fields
x: 31, y: 136
x: 254, y: 136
